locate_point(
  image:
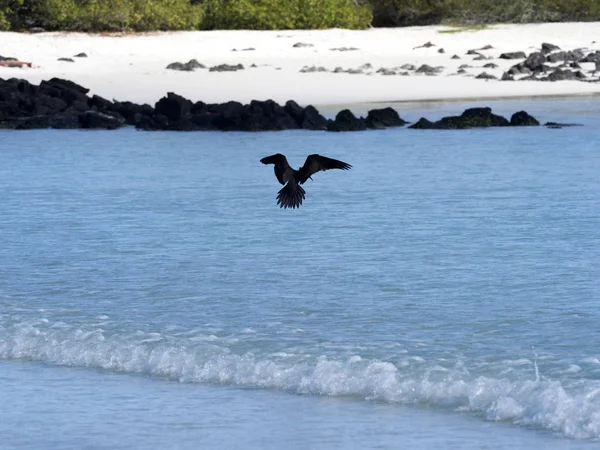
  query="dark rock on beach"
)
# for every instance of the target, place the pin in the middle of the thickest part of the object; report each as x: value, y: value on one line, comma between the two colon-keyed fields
x: 429, y: 70
x: 226, y: 68
x: 560, y: 75
x: 486, y: 76
x: 557, y: 57
x: 513, y: 55
x: 535, y: 62
x: 548, y: 48
x: 591, y: 57
x: 311, y: 69
x: 189, y: 66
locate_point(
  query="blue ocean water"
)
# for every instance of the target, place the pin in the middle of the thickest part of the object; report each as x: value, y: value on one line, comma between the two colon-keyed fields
x: 442, y: 293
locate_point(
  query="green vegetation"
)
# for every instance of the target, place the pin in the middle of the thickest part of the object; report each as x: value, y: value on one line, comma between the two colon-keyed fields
x: 7, y: 13
x: 284, y: 14
x: 111, y: 15
x: 479, y: 12
x: 150, y: 15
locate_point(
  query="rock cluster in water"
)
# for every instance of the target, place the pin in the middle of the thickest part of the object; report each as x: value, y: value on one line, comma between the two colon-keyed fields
x: 62, y: 104
x: 58, y: 103
x: 476, y: 118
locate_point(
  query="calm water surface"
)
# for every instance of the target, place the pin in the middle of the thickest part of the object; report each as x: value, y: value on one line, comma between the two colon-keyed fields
x: 443, y: 293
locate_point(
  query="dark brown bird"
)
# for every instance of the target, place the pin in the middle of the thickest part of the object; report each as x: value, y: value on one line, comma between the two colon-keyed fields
x: 292, y: 193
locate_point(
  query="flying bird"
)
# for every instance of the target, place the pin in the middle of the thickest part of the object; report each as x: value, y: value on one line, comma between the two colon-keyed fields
x: 292, y: 193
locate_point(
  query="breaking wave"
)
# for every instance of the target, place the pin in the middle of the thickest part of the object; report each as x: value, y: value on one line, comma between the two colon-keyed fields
x: 571, y: 409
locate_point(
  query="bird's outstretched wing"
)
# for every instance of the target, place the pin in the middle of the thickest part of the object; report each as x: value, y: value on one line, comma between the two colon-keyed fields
x: 277, y: 158
x: 281, y: 166
x: 316, y: 163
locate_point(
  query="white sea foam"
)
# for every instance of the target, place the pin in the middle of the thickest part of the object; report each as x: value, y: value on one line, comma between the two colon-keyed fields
x: 523, y: 400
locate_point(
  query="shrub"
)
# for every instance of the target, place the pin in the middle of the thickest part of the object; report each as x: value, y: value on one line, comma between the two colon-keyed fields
x: 115, y: 15
x: 318, y: 14
x: 148, y: 15
x: 469, y: 12
x: 8, y: 9
x: 284, y: 14
x: 393, y: 13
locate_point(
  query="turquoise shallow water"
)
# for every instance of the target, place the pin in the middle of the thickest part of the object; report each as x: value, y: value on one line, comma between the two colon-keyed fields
x: 444, y: 292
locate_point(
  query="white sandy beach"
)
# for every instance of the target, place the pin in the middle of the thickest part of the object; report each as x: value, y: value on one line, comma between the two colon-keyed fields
x: 133, y: 67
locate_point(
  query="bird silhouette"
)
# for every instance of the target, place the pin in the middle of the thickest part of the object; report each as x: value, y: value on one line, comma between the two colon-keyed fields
x: 292, y: 193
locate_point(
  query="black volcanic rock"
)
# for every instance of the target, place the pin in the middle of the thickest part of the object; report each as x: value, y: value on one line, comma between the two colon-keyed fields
x: 423, y: 124
x: 523, y: 119
x: 535, y: 62
x: 62, y: 104
x: 470, y: 118
x: 561, y: 75
x: 33, y: 123
x: 548, y: 48
x: 345, y: 120
x: 307, y: 118
x: 226, y: 68
x: 173, y: 106
x: 513, y: 55
x: 189, y: 66
x: 383, y: 118
x: 97, y: 120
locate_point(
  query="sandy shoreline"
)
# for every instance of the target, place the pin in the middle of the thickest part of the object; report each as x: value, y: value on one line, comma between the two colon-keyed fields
x: 133, y: 67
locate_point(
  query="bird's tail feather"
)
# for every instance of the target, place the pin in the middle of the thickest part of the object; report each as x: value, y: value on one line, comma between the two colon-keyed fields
x: 291, y: 195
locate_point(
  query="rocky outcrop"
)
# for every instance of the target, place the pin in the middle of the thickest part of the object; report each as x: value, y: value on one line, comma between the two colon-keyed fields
x: 384, y: 118
x: 523, y: 119
x: 513, y: 55
x: 470, y: 118
x: 345, y: 120
x: 552, y: 64
x: 58, y: 103
x: 62, y: 104
x: 189, y: 66
x: 226, y: 68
